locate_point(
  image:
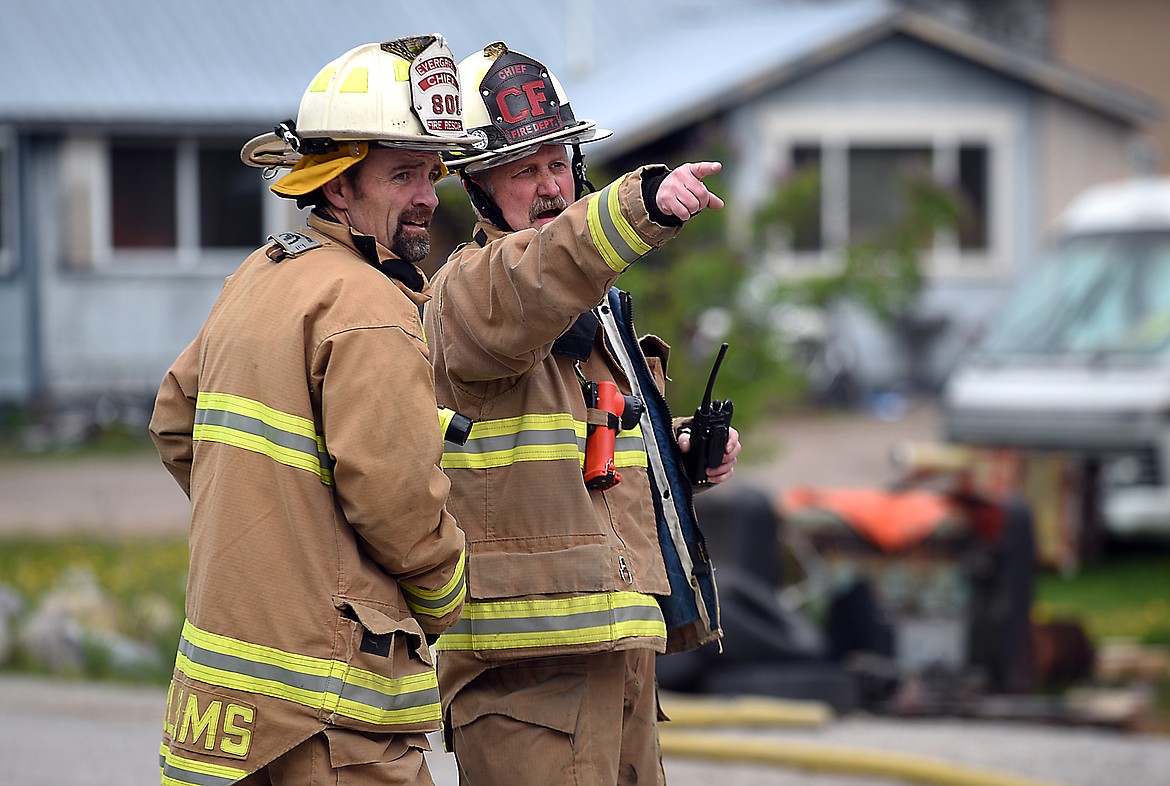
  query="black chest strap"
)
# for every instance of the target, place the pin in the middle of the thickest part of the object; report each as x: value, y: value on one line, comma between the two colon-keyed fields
x: 577, y: 341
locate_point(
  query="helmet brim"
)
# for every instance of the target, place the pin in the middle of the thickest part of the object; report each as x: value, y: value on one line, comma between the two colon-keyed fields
x: 269, y: 150
x: 481, y: 161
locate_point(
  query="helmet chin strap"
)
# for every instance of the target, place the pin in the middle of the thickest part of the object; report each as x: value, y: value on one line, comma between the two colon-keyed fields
x: 484, y: 204
x: 580, y: 181
x: 487, y: 207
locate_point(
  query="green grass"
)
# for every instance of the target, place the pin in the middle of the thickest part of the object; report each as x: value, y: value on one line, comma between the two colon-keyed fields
x: 144, y: 581
x: 1125, y: 596
x: 115, y: 441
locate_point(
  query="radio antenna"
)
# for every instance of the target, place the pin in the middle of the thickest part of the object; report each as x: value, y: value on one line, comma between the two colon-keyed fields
x: 714, y: 372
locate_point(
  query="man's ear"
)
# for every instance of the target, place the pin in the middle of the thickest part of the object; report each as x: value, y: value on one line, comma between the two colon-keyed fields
x: 336, y: 192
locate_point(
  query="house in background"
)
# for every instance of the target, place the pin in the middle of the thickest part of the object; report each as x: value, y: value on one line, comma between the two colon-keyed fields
x: 123, y: 204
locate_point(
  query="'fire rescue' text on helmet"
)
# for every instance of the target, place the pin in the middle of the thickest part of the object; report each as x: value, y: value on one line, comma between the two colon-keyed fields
x: 402, y: 94
x: 513, y: 104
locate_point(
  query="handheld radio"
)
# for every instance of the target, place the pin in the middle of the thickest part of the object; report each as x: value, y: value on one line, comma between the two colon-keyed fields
x: 710, y: 430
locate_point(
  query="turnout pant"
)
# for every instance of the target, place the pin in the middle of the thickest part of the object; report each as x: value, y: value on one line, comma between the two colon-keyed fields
x: 587, y: 720
x: 340, y: 757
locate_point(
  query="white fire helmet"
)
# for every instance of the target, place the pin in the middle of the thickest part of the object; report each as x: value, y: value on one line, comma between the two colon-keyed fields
x: 513, y: 104
x: 401, y: 94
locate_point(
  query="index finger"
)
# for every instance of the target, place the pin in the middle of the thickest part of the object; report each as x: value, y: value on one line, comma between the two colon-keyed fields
x: 702, y: 169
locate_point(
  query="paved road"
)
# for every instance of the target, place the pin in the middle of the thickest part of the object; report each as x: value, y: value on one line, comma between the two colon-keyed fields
x: 54, y: 733
x: 135, y: 495
x: 109, y: 495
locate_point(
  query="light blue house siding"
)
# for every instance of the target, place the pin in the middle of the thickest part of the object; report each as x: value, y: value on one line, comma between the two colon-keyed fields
x: 74, y: 333
x: 902, y: 91
x: 16, y: 325
x: 14, y: 362
x: 80, y: 317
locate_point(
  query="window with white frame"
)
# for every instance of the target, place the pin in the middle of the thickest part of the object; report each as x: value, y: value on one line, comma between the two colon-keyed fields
x: 160, y: 204
x: 860, y: 165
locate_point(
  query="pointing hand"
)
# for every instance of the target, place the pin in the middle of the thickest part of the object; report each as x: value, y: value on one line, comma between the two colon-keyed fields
x: 682, y: 193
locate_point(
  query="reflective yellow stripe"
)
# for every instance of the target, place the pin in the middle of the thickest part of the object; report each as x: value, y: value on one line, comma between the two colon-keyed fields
x: 356, y: 81
x: 321, y: 81
x: 589, y: 619
x: 317, y: 683
x: 636, y: 244
x: 436, y: 603
x: 551, y: 437
x: 616, y: 240
x: 178, y: 771
x: 635, y: 457
x: 248, y: 424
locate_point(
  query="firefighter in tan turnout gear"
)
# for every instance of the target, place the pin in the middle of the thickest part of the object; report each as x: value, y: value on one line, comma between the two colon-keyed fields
x: 576, y: 579
x: 302, y: 423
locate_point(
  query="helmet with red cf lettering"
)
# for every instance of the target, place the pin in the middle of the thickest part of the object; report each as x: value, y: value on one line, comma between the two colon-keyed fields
x: 402, y: 94
x: 513, y: 104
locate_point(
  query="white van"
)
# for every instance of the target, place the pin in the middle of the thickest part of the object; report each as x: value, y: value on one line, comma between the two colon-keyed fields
x: 1079, y: 359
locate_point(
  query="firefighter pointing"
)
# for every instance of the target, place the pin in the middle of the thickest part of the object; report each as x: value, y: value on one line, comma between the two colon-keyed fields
x: 586, y: 559
x: 301, y: 421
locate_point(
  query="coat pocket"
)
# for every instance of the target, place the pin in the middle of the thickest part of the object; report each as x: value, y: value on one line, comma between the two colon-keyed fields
x: 348, y: 748
x: 379, y: 634
x: 511, y: 567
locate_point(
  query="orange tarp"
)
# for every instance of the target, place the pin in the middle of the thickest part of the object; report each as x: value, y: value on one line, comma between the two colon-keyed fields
x: 892, y: 520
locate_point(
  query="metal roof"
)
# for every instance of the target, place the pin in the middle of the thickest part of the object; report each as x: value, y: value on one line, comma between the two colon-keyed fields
x: 640, y: 67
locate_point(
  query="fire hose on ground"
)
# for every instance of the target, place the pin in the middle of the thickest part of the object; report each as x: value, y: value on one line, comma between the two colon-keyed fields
x: 686, y: 712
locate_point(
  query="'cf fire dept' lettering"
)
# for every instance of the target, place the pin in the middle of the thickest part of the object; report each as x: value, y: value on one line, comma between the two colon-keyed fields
x: 523, y: 132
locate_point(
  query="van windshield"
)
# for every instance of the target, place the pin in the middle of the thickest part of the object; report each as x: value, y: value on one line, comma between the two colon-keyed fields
x: 1099, y: 294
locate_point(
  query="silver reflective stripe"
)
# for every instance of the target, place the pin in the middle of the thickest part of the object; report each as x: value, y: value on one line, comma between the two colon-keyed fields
x: 557, y: 622
x: 442, y: 601
x: 179, y: 771
x: 310, y: 682
x: 590, y: 619
x: 248, y: 424
x: 502, y: 442
x: 534, y: 437
x: 257, y: 427
x: 175, y: 774
x: 618, y: 243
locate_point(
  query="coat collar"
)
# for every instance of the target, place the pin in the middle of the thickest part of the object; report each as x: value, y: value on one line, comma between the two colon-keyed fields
x: 369, y: 249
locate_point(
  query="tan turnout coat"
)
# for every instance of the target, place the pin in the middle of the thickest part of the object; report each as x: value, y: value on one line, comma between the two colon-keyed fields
x: 553, y: 567
x: 301, y: 422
